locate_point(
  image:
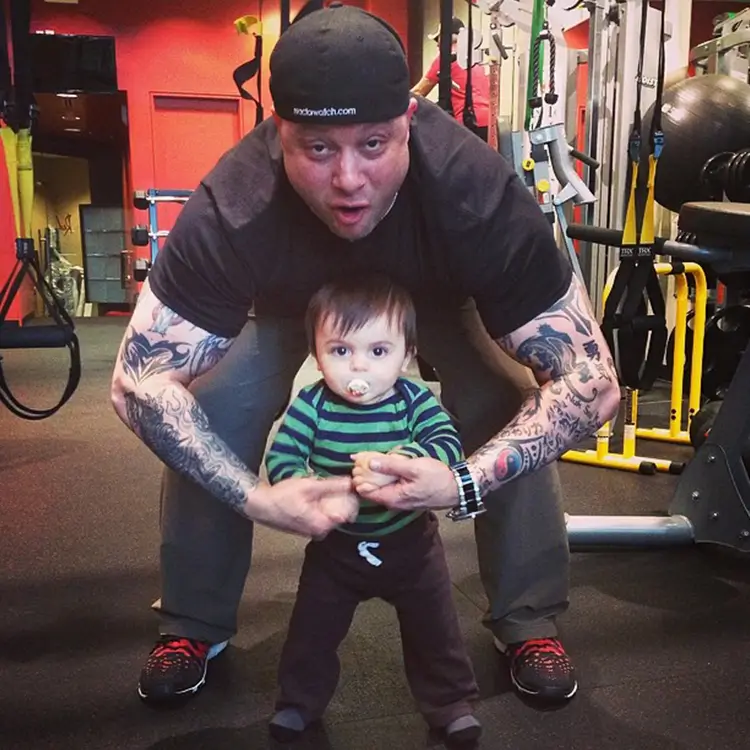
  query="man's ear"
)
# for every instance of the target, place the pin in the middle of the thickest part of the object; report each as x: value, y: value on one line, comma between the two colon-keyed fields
x: 411, y: 109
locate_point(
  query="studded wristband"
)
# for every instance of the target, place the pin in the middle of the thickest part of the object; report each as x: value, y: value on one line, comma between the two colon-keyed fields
x: 470, y: 502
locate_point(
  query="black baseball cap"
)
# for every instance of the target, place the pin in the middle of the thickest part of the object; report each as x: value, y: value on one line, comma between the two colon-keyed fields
x: 339, y: 65
x: 456, y: 25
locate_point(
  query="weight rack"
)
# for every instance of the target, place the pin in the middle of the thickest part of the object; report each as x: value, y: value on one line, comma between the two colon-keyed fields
x: 148, y: 236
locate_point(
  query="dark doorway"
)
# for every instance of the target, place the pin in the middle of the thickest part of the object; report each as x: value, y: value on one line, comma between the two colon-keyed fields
x: 80, y: 146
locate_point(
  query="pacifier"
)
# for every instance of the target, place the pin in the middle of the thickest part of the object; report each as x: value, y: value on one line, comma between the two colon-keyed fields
x: 358, y: 387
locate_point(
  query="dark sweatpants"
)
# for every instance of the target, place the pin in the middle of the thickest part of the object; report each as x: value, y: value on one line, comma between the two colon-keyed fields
x: 413, y: 577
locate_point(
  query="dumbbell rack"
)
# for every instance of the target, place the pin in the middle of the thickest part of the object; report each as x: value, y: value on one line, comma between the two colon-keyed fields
x: 143, y: 236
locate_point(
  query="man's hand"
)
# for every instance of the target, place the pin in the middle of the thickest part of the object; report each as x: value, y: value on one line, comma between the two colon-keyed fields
x: 306, y: 506
x: 344, y: 505
x: 420, y: 483
x: 365, y: 479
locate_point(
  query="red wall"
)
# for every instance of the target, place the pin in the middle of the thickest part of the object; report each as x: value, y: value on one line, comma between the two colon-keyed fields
x: 701, y: 20
x: 178, y: 47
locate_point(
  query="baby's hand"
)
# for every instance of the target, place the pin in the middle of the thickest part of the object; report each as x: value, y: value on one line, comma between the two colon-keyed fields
x: 346, y: 504
x: 364, y: 477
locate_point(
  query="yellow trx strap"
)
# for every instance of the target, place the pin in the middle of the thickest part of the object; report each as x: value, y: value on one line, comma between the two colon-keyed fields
x: 631, y: 236
x: 25, y: 166
x: 640, y: 335
x: 9, y: 139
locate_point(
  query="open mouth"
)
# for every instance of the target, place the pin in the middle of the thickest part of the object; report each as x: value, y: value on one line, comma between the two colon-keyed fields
x: 349, y: 214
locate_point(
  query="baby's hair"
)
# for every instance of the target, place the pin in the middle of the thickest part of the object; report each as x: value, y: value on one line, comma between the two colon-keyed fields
x: 350, y: 303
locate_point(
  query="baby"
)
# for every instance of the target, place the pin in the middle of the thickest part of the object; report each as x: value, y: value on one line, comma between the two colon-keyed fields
x: 363, y: 336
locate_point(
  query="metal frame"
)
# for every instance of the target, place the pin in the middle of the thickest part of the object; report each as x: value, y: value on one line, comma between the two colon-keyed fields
x: 155, y: 196
x: 712, y: 498
x: 613, y: 63
x: 711, y: 503
x: 628, y: 531
x: 714, y: 489
x: 593, y: 262
x: 629, y: 459
x: 715, y: 50
x: 729, y: 52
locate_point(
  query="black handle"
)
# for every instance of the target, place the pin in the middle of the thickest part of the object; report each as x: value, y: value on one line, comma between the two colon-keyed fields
x: 598, y: 235
x: 680, y: 250
x: 35, y: 337
x: 604, y: 236
x: 585, y: 158
x: 695, y: 254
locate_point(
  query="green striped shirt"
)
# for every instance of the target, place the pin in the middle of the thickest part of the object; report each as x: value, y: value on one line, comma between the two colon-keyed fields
x: 321, y: 431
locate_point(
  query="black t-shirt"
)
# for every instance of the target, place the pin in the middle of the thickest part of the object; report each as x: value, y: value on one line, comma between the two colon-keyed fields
x: 463, y: 225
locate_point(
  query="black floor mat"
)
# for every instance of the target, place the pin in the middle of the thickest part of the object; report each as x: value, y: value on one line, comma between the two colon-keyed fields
x: 660, y: 638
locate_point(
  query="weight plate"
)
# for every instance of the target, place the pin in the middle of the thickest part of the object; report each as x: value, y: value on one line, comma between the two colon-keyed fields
x: 727, y: 337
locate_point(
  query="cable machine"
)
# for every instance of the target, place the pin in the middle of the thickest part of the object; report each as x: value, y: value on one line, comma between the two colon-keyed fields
x: 17, y: 116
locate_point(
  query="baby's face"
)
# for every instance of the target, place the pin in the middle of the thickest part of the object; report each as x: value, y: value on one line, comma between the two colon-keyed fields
x: 362, y: 366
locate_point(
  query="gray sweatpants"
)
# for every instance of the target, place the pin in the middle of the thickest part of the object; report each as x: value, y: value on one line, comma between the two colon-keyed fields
x: 521, y: 541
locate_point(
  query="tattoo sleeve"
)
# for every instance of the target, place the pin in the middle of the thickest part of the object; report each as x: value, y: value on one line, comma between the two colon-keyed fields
x: 578, y: 391
x: 158, y: 358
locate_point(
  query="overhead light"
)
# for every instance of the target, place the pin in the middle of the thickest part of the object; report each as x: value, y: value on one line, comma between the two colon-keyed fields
x: 72, y: 130
x: 68, y: 96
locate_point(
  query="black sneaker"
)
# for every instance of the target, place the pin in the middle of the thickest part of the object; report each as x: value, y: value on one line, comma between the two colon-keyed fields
x: 540, y: 668
x: 176, y: 668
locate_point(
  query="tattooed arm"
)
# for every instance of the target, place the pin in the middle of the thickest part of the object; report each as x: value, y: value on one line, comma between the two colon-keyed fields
x: 161, y: 353
x: 159, y: 356
x: 578, y: 392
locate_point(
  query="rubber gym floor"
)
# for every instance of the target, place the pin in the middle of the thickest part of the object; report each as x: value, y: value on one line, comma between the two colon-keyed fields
x: 660, y: 639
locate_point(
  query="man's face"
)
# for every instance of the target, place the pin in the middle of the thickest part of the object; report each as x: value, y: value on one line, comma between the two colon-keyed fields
x: 347, y: 174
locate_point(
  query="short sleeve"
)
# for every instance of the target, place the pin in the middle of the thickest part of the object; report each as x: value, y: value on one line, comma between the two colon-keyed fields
x: 518, y: 271
x: 498, y: 246
x: 433, y: 73
x: 199, y: 274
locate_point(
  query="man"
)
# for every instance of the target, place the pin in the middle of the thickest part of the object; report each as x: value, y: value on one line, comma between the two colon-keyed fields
x: 480, y: 83
x: 353, y: 175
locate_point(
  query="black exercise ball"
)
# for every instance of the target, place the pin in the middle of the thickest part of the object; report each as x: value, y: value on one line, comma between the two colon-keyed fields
x: 701, y: 117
